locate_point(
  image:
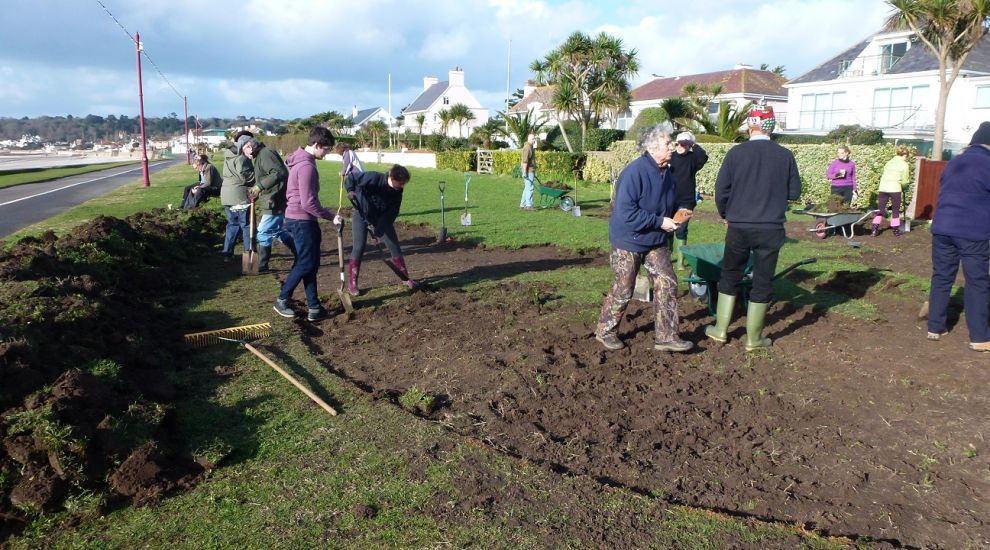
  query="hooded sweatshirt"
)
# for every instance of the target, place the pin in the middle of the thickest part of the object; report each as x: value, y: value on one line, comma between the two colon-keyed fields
x: 303, y: 190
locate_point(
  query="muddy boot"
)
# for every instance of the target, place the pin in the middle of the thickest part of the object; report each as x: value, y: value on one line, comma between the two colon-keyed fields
x: 896, y: 231
x: 876, y: 230
x: 755, y: 316
x: 723, y: 316
x: 353, y: 269
x: 264, y: 254
x: 400, y: 263
x: 678, y: 256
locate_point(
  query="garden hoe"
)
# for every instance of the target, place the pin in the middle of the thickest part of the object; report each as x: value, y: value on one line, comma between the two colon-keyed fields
x: 381, y: 250
x: 250, y: 259
x: 442, y: 235
x: 240, y: 335
x: 345, y: 297
x: 466, y: 216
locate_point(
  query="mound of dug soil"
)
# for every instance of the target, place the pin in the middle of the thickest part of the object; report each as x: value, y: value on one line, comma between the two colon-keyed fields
x: 862, y: 429
x: 85, y: 340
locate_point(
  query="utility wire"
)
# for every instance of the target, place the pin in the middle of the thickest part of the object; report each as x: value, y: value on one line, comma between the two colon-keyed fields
x: 143, y: 51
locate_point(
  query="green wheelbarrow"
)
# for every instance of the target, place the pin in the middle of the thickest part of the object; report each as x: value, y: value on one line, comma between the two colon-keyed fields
x: 706, y: 269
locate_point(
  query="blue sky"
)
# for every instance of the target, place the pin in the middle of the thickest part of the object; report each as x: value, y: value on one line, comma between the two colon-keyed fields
x: 294, y: 58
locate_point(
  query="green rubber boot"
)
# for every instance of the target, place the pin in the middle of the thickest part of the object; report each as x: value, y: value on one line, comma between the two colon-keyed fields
x: 677, y: 255
x: 723, y: 316
x: 755, y: 316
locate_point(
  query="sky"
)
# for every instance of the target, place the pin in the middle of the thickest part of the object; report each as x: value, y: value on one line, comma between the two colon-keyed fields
x: 294, y: 58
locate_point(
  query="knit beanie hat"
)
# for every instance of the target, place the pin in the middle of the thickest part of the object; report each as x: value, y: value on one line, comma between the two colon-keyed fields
x: 982, y: 135
x: 241, y: 141
x: 762, y: 116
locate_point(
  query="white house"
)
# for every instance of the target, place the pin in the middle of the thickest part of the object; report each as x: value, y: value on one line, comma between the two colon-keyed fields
x: 538, y: 101
x: 740, y: 84
x: 364, y: 116
x: 437, y: 96
x: 889, y: 81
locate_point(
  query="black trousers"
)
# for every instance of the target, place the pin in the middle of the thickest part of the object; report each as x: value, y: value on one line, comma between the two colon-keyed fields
x: 764, y: 245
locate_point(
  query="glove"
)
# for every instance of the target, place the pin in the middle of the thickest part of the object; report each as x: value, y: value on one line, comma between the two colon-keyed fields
x: 352, y: 195
x: 337, y: 220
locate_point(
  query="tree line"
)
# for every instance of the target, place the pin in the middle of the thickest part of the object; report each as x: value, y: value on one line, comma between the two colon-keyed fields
x: 95, y: 128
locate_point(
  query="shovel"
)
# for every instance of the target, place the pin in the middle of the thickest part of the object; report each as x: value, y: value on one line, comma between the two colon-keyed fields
x: 249, y: 259
x: 345, y: 297
x: 442, y: 235
x: 576, y: 211
x: 466, y: 216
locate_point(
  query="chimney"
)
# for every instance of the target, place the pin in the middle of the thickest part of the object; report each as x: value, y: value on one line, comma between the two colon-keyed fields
x: 456, y: 77
x: 354, y: 112
x: 528, y: 88
x: 742, y: 66
x: 429, y: 81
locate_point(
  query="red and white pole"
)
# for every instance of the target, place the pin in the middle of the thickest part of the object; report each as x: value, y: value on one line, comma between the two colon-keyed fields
x: 185, y: 124
x: 144, y: 140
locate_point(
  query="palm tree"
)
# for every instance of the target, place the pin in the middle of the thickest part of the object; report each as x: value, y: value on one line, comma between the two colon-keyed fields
x: 731, y: 119
x: 420, y: 121
x: 520, y: 127
x: 375, y: 128
x: 445, y: 120
x: 461, y: 114
x: 950, y: 29
x: 590, y: 78
x: 778, y: 70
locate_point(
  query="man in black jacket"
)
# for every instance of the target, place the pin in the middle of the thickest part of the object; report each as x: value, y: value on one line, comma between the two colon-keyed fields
x: 754, y: 184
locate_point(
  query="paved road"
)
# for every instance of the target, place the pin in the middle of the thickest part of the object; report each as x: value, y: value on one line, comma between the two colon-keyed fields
x: 23, y: 205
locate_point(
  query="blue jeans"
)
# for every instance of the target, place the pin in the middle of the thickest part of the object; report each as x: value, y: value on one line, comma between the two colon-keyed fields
x: 975, y: 256
x: 527, y: 195
x: 237, y: 222
x: 306, y: 234
x: 270, y: 228
x: 765, y: 246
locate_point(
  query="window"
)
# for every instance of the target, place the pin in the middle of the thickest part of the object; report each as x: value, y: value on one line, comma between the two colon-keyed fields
x: 983, y: 97
x: 901, y: 107
x: 822, y: 111
x: 891, y: 54
x: 446, y: 100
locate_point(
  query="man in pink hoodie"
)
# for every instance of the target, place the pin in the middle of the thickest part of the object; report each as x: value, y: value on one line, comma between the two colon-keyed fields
x: 302, y: 213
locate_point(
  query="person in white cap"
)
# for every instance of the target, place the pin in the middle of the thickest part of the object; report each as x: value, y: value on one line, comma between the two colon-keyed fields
x: 688, y: 159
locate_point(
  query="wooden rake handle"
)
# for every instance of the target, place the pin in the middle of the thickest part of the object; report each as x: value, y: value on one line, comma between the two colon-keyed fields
x: 289, y: 377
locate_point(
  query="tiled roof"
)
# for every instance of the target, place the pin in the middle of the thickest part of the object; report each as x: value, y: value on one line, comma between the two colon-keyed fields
x: 917, y: 59
x: 735, y: 81
x: 428, y: 97
x: 542, y: 94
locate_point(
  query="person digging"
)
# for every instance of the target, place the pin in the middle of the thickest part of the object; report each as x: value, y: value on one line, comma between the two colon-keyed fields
x: 754, y: 184
x: 377, y: 198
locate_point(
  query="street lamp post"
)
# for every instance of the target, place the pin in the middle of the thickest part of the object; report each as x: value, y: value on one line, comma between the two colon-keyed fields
x: 144, y: 141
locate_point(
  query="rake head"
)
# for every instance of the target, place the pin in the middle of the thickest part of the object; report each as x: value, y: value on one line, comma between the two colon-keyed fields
x: 210, y: 337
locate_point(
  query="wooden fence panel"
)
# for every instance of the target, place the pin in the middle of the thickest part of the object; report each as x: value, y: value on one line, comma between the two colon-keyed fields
x: 926, y: 193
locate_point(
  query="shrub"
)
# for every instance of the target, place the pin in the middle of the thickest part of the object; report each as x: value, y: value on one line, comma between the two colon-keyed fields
x: 598, y: 139
x: 800, y: 139
x: 651, y: 116
x: 709, y: 138
x: 462, y: 161
x: 556, y: 164
x: 433, y: 141
x: 854, y: 134
x: 555, y: 140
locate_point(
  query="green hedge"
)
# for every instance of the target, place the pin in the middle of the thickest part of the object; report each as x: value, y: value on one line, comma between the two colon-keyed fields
x: 462, y: 161
x: 812, y: 161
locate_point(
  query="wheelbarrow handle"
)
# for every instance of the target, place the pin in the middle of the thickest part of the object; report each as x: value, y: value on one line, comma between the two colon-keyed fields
x: 790, y: 268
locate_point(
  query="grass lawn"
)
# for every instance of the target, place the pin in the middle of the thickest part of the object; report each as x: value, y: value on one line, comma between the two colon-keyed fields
x: 20, y: 177
x: 296, y: 477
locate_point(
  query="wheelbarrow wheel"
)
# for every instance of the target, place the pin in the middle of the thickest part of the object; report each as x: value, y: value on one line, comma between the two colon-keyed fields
x: 698, y: 290
x: 821, y: 230
x: 566, y: 204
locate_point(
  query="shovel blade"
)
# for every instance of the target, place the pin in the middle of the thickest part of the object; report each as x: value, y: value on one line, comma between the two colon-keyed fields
x: 345, y: 300
x: 249, y: 263
x: 465, y: 219
x: 576, y: 211
x: 442, y: 235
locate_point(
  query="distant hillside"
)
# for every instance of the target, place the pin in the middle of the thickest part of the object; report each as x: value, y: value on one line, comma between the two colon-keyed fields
x: 94, y: 128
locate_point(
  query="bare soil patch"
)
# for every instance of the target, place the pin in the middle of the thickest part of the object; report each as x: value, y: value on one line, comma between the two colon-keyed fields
x: 855, y: 428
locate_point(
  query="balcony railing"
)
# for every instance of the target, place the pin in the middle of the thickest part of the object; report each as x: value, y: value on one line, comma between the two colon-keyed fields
x: 872, y: 65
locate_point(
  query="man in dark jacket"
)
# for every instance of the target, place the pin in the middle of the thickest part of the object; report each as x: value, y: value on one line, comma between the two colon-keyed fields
x: 754, y: 184
x: 378, y: 198
x: 688, y: 159
x: 207, y: 186
x: 961, y: 232
x: 270, y: 177
x: 638, y: 230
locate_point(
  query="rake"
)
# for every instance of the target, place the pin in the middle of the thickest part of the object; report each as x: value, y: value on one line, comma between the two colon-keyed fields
x: 240, y: 335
